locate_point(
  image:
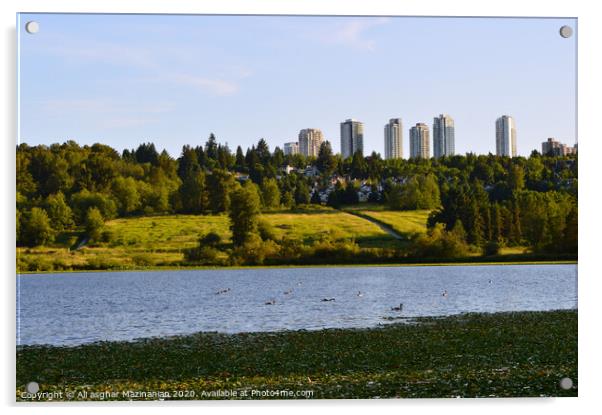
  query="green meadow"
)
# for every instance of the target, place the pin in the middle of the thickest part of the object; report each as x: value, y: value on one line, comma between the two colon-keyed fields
x: 159, y: 241
x: 148, y: 242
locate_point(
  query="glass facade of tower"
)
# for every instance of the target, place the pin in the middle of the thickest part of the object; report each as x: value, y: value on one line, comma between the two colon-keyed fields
x: 444, y: 136
x: 420, y: 141
x: 352, y: 138
x: 394, y: 139
x: 505, y: 136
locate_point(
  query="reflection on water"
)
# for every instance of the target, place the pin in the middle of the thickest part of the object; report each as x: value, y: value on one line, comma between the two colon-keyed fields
x: 78, y: 308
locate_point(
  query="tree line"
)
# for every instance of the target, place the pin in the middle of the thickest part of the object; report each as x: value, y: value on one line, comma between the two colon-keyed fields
x: 482, y: 201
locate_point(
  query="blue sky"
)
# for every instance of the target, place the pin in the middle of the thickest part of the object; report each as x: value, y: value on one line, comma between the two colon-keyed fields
x: 126, y: 79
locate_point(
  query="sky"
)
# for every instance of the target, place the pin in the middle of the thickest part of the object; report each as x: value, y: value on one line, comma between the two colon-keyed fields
x: 172, y: 80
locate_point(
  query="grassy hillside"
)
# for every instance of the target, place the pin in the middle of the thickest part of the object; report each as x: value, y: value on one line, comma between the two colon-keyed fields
x: 159, y: 240
x: 403, y: 222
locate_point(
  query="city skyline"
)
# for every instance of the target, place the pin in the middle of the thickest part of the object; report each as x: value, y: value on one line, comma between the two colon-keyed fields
x: 163, y: 82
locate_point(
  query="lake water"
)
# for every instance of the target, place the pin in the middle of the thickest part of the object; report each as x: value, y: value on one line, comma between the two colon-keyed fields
x: 76, y: 308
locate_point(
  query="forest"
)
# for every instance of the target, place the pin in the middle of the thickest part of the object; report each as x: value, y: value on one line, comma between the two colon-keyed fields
x: 476, y: 202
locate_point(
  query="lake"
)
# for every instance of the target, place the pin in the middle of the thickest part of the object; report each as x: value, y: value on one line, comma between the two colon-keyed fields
x: 77, y: 308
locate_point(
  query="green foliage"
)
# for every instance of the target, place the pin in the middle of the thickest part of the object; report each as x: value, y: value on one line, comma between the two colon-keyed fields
x: 326, y: 162
x: 211, y: 239
x: 491, y: 248
x: 512, y: 201
x: 244, y: 213
x: 36, y: 228
x: 220, y: 184
x: 439, y: 243
x: 416, y: 192
x: 270, y: 194
x: 193, y: 193
x: 59, y: 212
x: 302, y: 196
x: 84, y: 200
x: 266, y: 230
x: 125, y: 192
x: 94, y: 224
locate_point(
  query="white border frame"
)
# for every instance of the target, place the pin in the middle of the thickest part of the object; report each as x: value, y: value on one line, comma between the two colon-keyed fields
x: 590, y: 68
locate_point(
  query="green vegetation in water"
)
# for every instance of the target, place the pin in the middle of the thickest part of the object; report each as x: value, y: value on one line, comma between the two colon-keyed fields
x: 470, y: 355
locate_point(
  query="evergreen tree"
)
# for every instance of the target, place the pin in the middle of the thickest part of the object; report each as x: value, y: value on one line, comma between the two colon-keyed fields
x: 146, y: 153
x: 270, y: 194
x: 497, y: 223
x: 193, y: 193
x: 220, y: 184
x: 326, y: 161
x: 211, y: 147
x: 475, y: 231
x: 302, y: 193
x: 240, y: 164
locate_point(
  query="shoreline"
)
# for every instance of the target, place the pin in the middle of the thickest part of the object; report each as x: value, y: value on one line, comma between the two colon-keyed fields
x: 387, y: 323
x: 506, y: 354
x: 278, y: 266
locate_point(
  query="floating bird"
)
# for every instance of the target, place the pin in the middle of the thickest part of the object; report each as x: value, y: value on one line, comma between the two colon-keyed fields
x: 225, y: 290
x: 288, y: 292
x: 489, y: 281
x: 397, y: 308
x: 360, y: 294
x: 444, y: 293
x: 271, y: 302
x: 327, y: 299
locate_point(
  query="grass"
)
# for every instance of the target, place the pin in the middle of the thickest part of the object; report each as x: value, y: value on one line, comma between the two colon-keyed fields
x: 403, y: 222
x: 310, y: 225
x: 159, y: 241
x: 471, y: 355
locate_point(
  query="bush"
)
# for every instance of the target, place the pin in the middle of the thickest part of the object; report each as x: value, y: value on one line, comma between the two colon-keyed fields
x: 491, y: 248
x: 205, y: 255
x: 143, y: 260
x: 107, y: 236
x: 439, y: 243
x: 266, y: 231
x: 211, y: 239
x: 36, y: 229
x: 255, y: 251
x: 94, y: 223
x: 38, y: 264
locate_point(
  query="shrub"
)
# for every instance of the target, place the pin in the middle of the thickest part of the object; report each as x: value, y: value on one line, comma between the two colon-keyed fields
x: 491, y: 248
x: 211, y: 239
x: 266, y: 231
x: 143, y: 260
x: 36, y: 229
x: 94, y: 223
x: 107, y: 236
x: 204, y: 255
x: 439, y: 243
